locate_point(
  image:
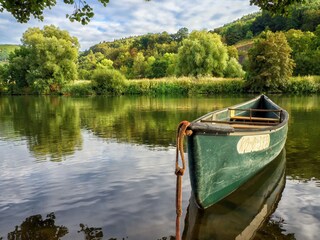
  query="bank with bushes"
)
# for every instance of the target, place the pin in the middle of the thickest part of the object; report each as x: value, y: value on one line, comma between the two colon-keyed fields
x: 185, y: 86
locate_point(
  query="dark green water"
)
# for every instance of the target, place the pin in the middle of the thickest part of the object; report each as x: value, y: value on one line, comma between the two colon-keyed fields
x: 102, y: 168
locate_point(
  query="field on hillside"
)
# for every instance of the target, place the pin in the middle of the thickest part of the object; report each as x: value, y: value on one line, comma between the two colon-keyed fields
x: 5, y: 50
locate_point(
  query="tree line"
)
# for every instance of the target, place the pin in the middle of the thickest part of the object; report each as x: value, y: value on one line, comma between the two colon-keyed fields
x: 49, y: 58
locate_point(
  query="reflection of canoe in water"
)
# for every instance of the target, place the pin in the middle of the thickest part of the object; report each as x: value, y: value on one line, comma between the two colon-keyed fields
x: 229, y: 146
x: 239, y: 215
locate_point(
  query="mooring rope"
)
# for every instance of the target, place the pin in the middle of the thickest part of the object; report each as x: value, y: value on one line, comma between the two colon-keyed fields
x: 182, y: 131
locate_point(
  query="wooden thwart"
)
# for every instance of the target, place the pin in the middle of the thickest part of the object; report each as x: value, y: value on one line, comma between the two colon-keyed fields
x: 255, y: 119
x: 248, y: 126
x: 234, y: 117
x: 255, y: 110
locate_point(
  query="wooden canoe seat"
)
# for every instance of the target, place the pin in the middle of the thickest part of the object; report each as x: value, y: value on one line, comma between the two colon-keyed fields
x: 255, y: 119
x: 246, y: 126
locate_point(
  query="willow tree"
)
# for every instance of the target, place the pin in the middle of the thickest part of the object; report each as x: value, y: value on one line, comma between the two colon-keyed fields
x: 270, y: 63
x: 203, y: 53
x: 46, y: 61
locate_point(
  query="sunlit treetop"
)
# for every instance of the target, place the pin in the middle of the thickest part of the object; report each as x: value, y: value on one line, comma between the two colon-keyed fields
x: 22, y: 10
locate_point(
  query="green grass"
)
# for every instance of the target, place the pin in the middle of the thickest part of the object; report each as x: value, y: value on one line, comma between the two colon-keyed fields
x: 184, y: 86
x: 303, y: 85
x: 187, y: 86
x: 78, y: 88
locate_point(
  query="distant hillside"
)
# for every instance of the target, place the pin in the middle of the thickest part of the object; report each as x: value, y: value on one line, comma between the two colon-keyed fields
x: 5, y: 50
x: 305, y: 17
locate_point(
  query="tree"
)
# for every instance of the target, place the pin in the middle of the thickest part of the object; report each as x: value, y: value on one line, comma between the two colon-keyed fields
x: 233, y: 69
x: 202, y: 53
x: 23, y: 10
x: 46, y: 61
x: 181, y: 34
x: 88, y: 63
x: 139, y: 66
x: 270, y: 63
x: 305, y: 51
x: 300, y: 41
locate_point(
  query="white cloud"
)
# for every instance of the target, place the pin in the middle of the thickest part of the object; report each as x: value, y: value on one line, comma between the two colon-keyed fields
x: 123, y: 18
x: 299, y: 209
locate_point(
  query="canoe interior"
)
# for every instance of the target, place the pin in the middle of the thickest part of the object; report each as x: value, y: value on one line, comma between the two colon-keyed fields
x: 258, y: 114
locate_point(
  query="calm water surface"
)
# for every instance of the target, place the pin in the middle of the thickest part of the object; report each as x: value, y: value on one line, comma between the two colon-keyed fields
x: 102, y: 168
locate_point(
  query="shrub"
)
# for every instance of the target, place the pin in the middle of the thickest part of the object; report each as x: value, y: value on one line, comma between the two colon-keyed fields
x: 78, y: 88
x: 303, y: 85
x: 108, y: 81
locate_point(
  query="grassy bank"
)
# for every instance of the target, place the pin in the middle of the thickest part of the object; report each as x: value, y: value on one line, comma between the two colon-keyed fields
x: 165, y: 86
x: 303, y: 85
x: 189, y: 86
x: 184, y: 86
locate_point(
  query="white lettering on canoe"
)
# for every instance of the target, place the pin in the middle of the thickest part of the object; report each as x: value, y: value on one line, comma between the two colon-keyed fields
x: 253, y: 143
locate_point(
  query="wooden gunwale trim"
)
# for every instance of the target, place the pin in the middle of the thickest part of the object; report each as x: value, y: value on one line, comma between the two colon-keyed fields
x: 256, y: 109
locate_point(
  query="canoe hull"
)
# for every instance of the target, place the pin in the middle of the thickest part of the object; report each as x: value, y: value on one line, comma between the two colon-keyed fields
x: 221, y: 163
x: 242, y: 213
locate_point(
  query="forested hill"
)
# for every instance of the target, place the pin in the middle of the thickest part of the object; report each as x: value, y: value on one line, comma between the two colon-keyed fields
x: 154, y: 55
x: 301, y: 17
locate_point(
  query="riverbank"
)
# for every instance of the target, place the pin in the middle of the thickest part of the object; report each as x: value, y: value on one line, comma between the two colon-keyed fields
x: 186, y: 86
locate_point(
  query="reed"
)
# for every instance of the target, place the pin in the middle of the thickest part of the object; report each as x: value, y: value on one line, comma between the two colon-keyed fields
x: 303, y: 85
x: 184, y: 86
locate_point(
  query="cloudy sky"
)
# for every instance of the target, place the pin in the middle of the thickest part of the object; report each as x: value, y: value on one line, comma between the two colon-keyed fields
x: 123, y: 18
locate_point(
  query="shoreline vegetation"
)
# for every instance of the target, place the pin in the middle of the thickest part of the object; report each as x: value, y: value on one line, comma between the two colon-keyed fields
x: 182, y: 86
x: 259, y: 53
x: 186, y: 86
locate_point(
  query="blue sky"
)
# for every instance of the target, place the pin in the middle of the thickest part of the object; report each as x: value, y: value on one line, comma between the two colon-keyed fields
x: 124, y: 18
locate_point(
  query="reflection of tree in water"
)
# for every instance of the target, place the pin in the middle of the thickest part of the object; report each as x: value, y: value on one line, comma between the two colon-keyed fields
x: 51, y: 125
x: 36, y: 228
x: 272, y: 229
x: 91, y: 233
x: 168, y: 238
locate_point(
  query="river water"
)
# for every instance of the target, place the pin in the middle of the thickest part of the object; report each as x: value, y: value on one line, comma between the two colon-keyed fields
x: 103, y: 168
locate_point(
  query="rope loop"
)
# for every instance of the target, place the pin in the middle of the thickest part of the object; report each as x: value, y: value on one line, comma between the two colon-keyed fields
x: 181, y: 133
x: 179, y: 171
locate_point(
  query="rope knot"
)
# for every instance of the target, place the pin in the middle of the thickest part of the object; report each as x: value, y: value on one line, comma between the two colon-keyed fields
x: 188, y: 132
x: 179, y: 171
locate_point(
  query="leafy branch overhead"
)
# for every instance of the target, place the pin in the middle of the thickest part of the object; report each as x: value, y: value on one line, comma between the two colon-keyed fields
x: 22, y: 10
x: 276, y: 6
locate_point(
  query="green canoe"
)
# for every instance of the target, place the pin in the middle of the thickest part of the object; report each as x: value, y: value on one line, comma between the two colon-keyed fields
x: 229, y: 146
